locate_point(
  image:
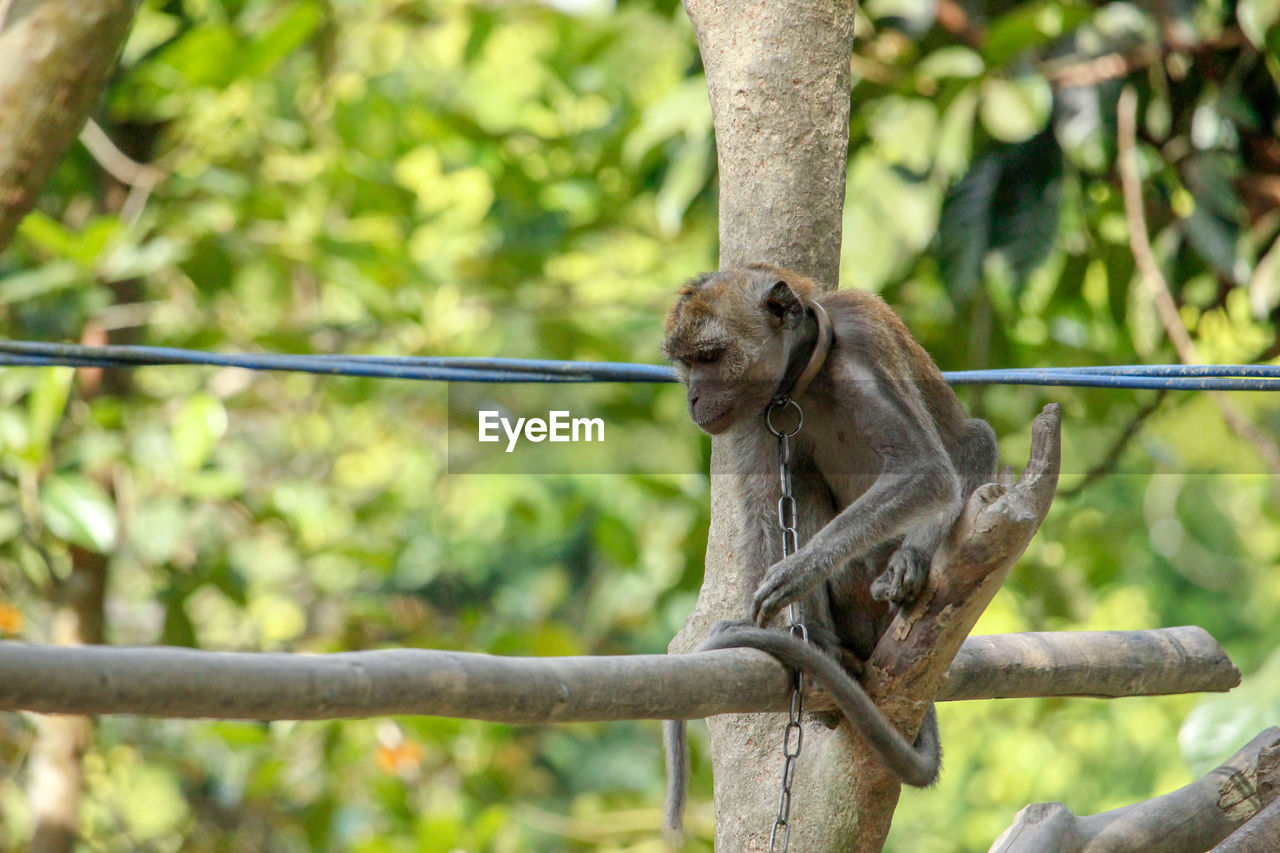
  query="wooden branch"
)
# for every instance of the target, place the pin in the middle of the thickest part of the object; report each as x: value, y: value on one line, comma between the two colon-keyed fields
x: 1089, y: 663
x: 55, y: 59
x: 1189, y: 820
x: 1260, y: 835
x: 174, y: 682
x: 908, y: 667
x: 906, y: 671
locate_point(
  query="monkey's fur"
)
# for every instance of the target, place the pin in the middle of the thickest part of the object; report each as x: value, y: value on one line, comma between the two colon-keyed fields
x: 883, y: 464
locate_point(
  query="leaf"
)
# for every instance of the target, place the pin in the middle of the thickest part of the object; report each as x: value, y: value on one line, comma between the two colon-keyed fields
x: 40, y: 281
x: 206, y: 56
x: 1031, y: 25
x: 178, y: 628
x: 951, y: 61
x: 904, y: 131
x: 1216, y: 240
x: 689, y: 172
x: 1256, y: 17
x: 47, y: 233
x: 685, y: 111
x: 137, y: 260
x: 1027, y: 202
x: 159, y: 527
x: 913, y: 17
x: 45, y: 407
x: 77, y: 509
x: 199, y: 426
x: 1009, y: 201
x: 1015, y: 110
x: 964, y: 227
x: 1264, y: 284
x: 617, y: 541
x: 955, y: 134
x: 290, y: 32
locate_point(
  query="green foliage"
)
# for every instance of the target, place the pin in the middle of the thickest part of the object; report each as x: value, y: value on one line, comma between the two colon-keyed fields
x: 533, y: 180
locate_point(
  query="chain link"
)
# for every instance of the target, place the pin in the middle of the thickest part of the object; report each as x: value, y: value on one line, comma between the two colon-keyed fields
x: 793, y: 734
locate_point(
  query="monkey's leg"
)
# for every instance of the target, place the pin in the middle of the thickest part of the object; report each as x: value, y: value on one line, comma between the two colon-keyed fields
x: 907, y: 569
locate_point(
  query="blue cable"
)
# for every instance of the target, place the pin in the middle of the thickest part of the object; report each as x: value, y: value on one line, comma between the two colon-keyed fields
x: 1129, y: 377
x: 1197, y: 377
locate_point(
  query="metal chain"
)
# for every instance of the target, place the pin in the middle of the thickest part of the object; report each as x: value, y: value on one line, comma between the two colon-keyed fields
x: 793, y: 734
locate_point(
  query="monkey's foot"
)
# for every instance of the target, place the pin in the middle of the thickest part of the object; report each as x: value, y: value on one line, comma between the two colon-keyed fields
x: 903, y: 578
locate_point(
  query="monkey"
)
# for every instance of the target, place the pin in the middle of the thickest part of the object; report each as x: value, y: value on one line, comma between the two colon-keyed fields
x: 883, y: 463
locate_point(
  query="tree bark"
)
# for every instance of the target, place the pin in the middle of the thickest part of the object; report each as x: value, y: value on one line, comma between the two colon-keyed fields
x: 55, y: 775
x: 55, y: 59
x: 779, y: 80
x: 1260, y: 835
x: 1191, y: 819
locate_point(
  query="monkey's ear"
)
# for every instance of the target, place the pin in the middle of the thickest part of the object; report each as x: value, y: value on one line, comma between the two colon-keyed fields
x: 784, y: 305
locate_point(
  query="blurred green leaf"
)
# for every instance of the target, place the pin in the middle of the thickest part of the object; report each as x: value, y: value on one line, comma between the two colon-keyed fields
x: 1256, y: 18
x: 45, y: 407
x: 53, y: 237
x: 685, y: 111
x: 1031, y: 25
x: 617, y: 541
x: 178, y: 629
x: 296, y: 25
x: 77, y: 510
x: 690, y: 170
x: 200, y: 424
x: 1008, y: 202
x: 40, y: 281
x: 1015, y: 110
x: 952, y: 61
x: 207, y: 55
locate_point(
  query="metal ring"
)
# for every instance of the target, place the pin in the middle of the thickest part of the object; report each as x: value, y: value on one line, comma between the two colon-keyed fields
x: 782, y: 404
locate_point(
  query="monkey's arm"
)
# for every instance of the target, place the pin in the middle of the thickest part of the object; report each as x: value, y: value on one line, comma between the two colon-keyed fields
x: 917, y: 486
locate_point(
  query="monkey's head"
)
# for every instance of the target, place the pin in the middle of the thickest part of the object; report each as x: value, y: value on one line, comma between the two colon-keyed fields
x: 731, y: 335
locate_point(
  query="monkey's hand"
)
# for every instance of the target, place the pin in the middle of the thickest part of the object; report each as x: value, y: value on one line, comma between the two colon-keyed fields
x: 903, y: 578
x: 786, y: 582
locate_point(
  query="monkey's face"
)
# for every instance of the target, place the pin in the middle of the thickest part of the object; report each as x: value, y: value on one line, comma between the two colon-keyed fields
x: 729, y: 336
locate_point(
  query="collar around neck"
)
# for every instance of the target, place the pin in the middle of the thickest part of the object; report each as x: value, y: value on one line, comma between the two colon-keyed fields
x: 800, y: 372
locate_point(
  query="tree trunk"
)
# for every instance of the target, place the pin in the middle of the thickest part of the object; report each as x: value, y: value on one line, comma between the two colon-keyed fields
x: 779, y: 80
x: 56, y: 777
x: 55, y: 59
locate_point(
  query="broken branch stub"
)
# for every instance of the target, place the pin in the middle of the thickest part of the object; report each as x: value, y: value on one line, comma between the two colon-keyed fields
x: 908, y: 667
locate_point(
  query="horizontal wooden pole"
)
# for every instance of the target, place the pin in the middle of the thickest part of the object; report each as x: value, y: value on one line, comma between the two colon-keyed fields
x: 186, y: 683
x: 1106, y: 664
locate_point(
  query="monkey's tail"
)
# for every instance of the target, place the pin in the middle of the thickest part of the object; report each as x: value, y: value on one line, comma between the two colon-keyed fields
x: 916, y: 764
x: 676, y: 740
